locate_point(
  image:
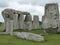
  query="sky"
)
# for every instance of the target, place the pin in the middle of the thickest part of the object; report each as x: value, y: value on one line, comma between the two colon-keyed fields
x: 35, y: 7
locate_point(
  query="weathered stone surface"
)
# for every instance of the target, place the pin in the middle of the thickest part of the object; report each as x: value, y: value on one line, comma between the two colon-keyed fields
x: 51, y: 30
x: 8, y: 13
x: 16, y: 16
x: 7, y: 25
x: 59, y: 26
x: 29, y: 36
x: 28, y: 22
x: 4, y: 27
x: 11, y: 27
x: 28, y: 25
x: 28, y: 18
x: 35, y: 22
x: 43, y: 17
x: 46, y: 23
x: 15, y: 21
x: 51, y: 18
x: 21, y: 21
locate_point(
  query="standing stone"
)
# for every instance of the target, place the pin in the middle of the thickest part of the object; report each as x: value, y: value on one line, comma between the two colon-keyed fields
x: 7, y: 25
x: 21, y: 21
x: 4, y: 26
x: 59, y: 26
x: 28, y: 22
x: 11, y: 27
x: 35, y: 22
x: 15, y: 21
x: 43, y: 18
x: 51, y: 18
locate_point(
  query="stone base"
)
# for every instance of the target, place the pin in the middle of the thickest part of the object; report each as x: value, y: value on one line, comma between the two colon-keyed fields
x: 27, y: 25
x: 51, y: 30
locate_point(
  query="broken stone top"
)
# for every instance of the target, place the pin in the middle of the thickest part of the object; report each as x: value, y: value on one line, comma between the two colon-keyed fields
x: 35, y: 18
x: 51, y: 4
x: 9, y: 13
x: 51, y: 9
x: 28, y: 18
x: 12, y: 11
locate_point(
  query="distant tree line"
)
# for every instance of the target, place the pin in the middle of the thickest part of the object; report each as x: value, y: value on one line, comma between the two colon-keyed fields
x: 40, y: 22
x: 0, y: 23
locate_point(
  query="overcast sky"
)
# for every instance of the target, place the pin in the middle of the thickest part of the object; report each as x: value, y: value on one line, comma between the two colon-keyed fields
x: 35, y: 7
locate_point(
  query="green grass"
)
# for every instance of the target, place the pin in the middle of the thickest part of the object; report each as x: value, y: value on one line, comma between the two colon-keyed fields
x: 37, y: 31
x: 1, y: 28
x: 51, y: 39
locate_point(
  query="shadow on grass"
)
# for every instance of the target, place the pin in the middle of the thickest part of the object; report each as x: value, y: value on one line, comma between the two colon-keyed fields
x: 37, y: 31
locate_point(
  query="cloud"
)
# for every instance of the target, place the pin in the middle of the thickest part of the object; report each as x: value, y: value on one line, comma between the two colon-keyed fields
x: 25, y: 7
x: 25, y: 1
x: 4, y: 3
x: 38, y: 2
x: 35, y: 7
x: 1, y: 18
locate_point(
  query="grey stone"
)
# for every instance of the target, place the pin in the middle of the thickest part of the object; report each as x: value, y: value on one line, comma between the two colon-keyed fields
x: 35, y: 22
x: 7, y: 22
x: 4, y: 26
x: 15, y: 21
x: 9, y: 13
x: 21, y: 21
x: 58, y: 26
x: 28, y: 18
x: 29, y: 36
x: 28, y: 25
x: 11, y: 27
x: 51, y: 18
x: 16, y: 16
x: 43, y: 17
x: 28, y: 22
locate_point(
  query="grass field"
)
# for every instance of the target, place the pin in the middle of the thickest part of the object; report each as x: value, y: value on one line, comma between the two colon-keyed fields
x: 1, y: 28
x: 50, y: 39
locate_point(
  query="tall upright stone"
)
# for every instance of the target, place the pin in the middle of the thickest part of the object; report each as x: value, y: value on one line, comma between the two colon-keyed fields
x: 4, y: 26
x: 35, y: 22
x: 51, y: 18
x: 11, y: 27
x: 21, y: 21
x: 59, y: 26
x: 15, y: 21
x: 43, y: 17
x: 28, y: 22
x: 7, y: 25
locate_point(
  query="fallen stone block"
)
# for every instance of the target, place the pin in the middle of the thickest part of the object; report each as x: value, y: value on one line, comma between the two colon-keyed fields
x: 29, y: 36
